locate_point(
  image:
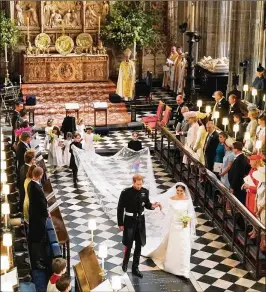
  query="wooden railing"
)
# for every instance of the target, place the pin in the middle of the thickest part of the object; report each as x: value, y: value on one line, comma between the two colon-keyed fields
x: 225, y: 211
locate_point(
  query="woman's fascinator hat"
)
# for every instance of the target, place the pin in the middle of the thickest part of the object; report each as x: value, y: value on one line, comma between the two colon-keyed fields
x: 190, y: 114
x: 201, y: 116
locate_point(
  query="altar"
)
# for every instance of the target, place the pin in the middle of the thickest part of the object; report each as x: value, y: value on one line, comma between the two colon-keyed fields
x: 56, y: 68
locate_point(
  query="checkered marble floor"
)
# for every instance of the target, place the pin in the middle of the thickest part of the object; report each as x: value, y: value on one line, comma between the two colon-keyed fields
x: 213, y: 266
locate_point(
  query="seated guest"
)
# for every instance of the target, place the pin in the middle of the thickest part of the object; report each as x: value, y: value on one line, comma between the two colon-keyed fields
x: 239, y: 169
x: 261, y: 134
x: 227, y: 162
x: 63, y: 284
x: 182, y: 127
x: 72, y: 165
x: 29, y: 158
x: 251, y: 189
x: 134, y: 143
x: 241, y: 131
x: 221, y: 106
x: 253, y: 114
x: 26, y: 199
x: 23, y: 146
x: 220, y: 152
x: 211, y: 143
x: 37, y: 217
x: 260, y: 176
x: 16, y: 118
x: 58, y: 268
x: 178, y: 116
x: 234, y: 108
x: 201, y: 137
x: 259, y: 83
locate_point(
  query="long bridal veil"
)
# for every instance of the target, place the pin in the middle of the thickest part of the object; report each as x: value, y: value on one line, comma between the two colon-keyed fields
x: 109, y: 175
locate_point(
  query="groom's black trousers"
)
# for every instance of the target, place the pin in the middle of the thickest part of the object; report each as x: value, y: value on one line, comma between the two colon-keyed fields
x: 137, y: 250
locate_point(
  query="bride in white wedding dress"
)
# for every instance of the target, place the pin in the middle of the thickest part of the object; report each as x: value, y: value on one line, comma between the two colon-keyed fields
x: 171, y: 251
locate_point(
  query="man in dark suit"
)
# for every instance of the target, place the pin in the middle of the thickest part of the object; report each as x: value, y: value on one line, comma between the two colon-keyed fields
x: 72, y: 165
x: 234, y: 108
x: 241, y: 129
x: 221, y: 106
x: 239, y: 169
x: 135, y: 144
x: 37, y: 217
x: 182, y: 127
x: 178, y: 114
x: 23, y: 146
x: 29, y: 158
x: 211, y: 143
x: 15, y: 121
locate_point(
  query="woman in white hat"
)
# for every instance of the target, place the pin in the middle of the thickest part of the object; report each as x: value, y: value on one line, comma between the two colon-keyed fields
x: 260, y: 175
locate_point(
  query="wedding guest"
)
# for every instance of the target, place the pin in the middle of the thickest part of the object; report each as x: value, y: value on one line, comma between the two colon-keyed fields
x: 227, y: 162
x: 29, y: 158
x: 178, y: 117
x: 88, y: 139
x: 253, y: 114
x: 234, y: 108
x: 48, y: 129
x: 219, y: 154
x: 23, y: 146
x: 67, y: 142
x: 55, y: 154
x: 37, y: 217
x: 81, y: 128
x: 192, y: 131
x: 182, y: 127
x: 221, y: 106
x: 16, y: 119
x: 72, y: 165
x: 58, y: 268
x: 26, y: 203
x: 261, y: 133
x: 239, y: 169
x: 134, y: 143
x: 260, y: 176
x: 201, y: 137
x: 63, y: 284
x: 259, y: 83
x: 210, y: 145
x: 251, y: 189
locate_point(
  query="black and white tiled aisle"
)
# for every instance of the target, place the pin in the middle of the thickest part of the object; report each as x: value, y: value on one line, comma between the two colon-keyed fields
x: 213, y: 266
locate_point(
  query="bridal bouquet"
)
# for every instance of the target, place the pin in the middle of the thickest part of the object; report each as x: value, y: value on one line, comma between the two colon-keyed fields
x: 185, y: 219
x: 51, y: 136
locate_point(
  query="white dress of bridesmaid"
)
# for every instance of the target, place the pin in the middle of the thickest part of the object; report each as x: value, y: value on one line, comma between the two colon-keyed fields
x: 168, y: 242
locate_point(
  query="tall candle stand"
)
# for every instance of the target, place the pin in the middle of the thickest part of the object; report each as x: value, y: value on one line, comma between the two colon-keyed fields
x: 7, y: 80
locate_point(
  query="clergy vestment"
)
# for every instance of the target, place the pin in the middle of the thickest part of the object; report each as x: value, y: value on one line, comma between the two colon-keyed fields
x: 126, y: 80
x: 179, y: 75
x: 168, y: 76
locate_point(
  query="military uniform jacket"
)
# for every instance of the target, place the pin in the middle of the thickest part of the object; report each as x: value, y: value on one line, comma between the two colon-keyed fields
x: 133, y: 201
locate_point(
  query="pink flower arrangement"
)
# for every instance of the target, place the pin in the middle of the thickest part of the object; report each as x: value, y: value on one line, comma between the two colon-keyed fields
x: 18, y: 132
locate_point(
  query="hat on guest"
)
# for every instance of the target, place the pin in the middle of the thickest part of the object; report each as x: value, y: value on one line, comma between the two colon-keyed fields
x: 190, y: 114
x: 260, y: 174
x: 201, y: 116
x: 256, y: 157
x: 260, y: 68
x: 229, y: 142
x: 252, y: 107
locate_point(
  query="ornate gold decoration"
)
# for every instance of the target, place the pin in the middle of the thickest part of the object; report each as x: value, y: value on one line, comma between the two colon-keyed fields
x: 84, y: 40
x: 64, y: 45
x: 42, y: 41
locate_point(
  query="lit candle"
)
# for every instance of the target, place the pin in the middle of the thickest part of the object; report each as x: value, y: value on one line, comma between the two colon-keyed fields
x: 28, y: 28
x: 92, y: 227
x: 19, y: 79
x: 5, y: 211
x: 216, y: 117
x: 236, y: 129
x: 208, y: 109
x: 5, y: 52
x: 99, y: 26
x: 225, y: 122
x: 199, y: 104
x: 102, y: 254
x: 245, y: 89
x: 258, y: 145
x: 254, y: 93
x: 192, y: 16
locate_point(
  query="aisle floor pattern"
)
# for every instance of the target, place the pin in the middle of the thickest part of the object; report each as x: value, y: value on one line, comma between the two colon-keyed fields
x: 214, y: 267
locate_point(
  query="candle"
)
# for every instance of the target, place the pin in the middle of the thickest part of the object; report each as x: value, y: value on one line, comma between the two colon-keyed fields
x: 236, y: 129
x: 216, y: 117
x: 134, y: 50
x: 19, y: 79
x: 225, y: 122
x: 199, y: 104
x: 92, y: 227
x: 254, y: 92
x: 258, y: 145
x: 5, y: 52
x: 99, y: 26
x: 192, y: 16
x: 208, y: 109
x: 28, y: 29
x: 245, y: 87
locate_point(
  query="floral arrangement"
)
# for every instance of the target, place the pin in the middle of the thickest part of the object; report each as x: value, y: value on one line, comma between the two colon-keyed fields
x: 185, y: 219
x: 19, y: 131
x: 9, y: 31
x: 96, y: 138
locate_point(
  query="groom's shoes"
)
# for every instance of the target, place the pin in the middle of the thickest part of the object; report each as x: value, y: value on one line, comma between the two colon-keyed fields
x: 136, y: 272
x: 124, y: 267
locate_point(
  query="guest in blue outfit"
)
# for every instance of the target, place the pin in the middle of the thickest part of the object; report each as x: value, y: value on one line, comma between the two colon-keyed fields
x: 227, y: 162
x: 220, y: 152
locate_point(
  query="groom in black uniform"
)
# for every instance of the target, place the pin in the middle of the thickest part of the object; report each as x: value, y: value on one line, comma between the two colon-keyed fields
x: 131, y: 203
